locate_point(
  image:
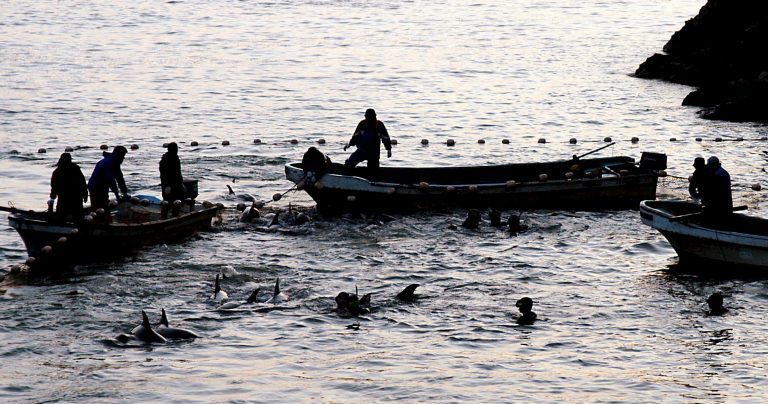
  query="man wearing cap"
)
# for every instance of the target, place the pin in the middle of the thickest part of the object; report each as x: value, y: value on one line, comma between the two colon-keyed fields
x: 697, y: 180
x: 68, y: 185
x: 170, y: 174
x: 718, y: 199
x: 368, y: 135
x: 108, y: 175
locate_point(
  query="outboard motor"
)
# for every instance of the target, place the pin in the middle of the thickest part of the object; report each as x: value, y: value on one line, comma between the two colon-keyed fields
x: 653, y: 161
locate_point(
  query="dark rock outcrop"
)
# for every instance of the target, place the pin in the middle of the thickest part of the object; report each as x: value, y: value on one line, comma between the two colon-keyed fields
x: 722, y: 51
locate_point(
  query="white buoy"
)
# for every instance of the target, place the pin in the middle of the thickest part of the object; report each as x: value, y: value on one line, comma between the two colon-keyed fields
x: 450, y: 142
x: 480, y: 141
x: 698, y: 139
x: 69, y: 149
x: 47, y: 250
x: 673, y: 139
x: 543, y: 177
x: 103, y: 147
x: 450, y: 189
x: 718, y: 139
x: 542, y: 140
x: 635, y: 139
x: 504, y: 141
x: 276, y: 197
x: 391, y: 191
x: 259, y: 204
x: 256, y: 141
x: 351, y: 198
x: 739, y: 139
x: 511, y: 184
x: 763, y: 138
x: 134, y: 147
x: 569, y: 175
x: 394, y: 142
x: 424, y: 141
x: 423, y: 186
x: 193, y: 143
x: 225, y: 143
x: 74, y: 232
x: 62, y: 240
x: 165, y: 145
x: 607, y: 139
x: 572, y: 140
x: 42, y: 150
x: 756, y: 186
x: 662, y: 173
x: 321, y: 141
x: 472, y: 188
x: 294, y: 141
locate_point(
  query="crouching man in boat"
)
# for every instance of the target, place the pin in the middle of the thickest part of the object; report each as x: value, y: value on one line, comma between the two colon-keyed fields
x: 171, y: 180
x: 68, y: 184
x: 315, y: 164
x: 108, y: 175
x: 717, y: 198
x: 368, y: 135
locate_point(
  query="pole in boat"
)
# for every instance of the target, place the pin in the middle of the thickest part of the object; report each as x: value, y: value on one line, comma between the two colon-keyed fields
x: 575, y: 157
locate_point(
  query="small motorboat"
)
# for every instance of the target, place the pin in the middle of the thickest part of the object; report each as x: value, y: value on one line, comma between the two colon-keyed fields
x: 736, y: 239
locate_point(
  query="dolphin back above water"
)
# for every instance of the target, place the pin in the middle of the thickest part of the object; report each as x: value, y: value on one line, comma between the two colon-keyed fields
x: 144, y: 332
x: 169, y: 332
x: 277, y: 297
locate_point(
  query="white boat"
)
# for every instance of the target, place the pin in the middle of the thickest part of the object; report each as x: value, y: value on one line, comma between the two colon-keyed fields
x: 735, y: 240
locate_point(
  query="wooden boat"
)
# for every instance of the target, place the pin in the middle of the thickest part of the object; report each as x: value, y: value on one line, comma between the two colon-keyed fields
x: 736, y: 239
x: 130, y: 226
x: 574, y: 184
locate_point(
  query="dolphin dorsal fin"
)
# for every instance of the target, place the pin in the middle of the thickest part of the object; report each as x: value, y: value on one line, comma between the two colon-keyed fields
x: 145, y: 320
x: 216, y: 287
x: 253, y: 296
x: 356, y: 295
x: 277, y: 287
x: 275, y: 219
x: 407, y: 293
x: 164, y: 319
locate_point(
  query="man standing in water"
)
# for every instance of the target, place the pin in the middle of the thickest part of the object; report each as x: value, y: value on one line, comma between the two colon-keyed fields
x: 368, y: 135
x: 68, y: 184
x: 170, y: 174
x: 108, y: 175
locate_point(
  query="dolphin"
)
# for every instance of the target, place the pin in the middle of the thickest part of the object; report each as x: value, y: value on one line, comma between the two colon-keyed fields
x: 169, y: 332
x: 249, y: 214
x: 253, y: 298
x: 275, y: 223
x: 218, y: 294
x: 278, y: 297
x: 407, y: 294
x: 144, y: 332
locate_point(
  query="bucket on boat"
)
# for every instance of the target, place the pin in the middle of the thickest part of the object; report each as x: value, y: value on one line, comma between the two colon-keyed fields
x: 191, y: 189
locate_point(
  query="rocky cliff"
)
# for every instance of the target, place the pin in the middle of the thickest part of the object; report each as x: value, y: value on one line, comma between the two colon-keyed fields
x: 724, y: 52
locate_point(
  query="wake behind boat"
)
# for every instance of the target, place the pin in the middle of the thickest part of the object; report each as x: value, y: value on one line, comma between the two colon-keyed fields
x: 575, y: 184
x: 736, y: 240
x: 51, y: 241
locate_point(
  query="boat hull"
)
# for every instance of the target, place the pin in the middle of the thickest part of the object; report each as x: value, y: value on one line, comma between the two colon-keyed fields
x: 738, y: 240
x: 77, y: 243
x: 620, y: 186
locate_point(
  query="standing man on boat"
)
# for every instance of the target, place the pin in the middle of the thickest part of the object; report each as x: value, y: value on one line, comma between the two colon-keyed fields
x: 697, y: 181
x: 171, y: 180
x: 368, y: 135
x: 68, y: 184
x: 108, y: 175
x: 717, y: 198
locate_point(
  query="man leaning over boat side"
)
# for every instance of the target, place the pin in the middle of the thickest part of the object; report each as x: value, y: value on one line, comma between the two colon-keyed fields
x: 171, y: 181
x: 68, y: 184
x: 108, y: 175
x: 368, y: 136
x: 697, y: 180
x: 718, y: 200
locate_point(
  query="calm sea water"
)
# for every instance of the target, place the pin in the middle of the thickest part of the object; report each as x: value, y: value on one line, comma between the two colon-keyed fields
x: 615, y: 322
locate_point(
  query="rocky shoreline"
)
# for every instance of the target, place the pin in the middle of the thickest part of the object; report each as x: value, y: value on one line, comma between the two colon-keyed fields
x: 723, y: 52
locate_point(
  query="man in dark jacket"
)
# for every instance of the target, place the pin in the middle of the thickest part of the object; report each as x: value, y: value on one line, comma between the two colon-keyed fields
x: 107, y: 176
x: 698, y: 180
x: 68, y: 185
x: 718, y: 199
x: 368, y: 135
x: 170, y: 174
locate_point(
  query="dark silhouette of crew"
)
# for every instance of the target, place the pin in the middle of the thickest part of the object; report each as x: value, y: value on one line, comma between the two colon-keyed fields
x: 527, y: 316
x: 107, y: 176
x: 717, y: 200
x: 368, y: 136
x: 68, y: 186
x: 698, y: 180
x: 171, y: 181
